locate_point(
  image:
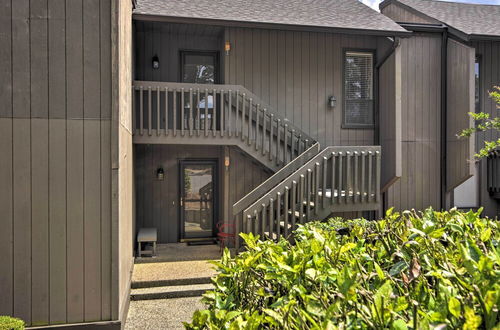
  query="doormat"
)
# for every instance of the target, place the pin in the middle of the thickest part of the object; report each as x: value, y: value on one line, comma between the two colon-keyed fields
x: 208, y: 241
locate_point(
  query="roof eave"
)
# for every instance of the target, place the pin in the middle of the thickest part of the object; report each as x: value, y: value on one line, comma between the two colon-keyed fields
x: 273, y: 26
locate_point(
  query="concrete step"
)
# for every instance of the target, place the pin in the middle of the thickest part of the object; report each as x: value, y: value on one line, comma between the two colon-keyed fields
x: 170, y: 291
x: 171, y: 282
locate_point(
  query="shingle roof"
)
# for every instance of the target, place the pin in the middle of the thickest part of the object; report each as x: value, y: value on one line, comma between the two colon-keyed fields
x: 471, y: 19
x: 341, y: 14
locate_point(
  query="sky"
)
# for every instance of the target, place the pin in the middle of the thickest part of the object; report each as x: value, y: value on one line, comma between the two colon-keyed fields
x: 374, y: 3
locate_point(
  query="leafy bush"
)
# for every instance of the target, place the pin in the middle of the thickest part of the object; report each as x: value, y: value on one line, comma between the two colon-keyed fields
x: 407, y: 271
x: 10, y: 323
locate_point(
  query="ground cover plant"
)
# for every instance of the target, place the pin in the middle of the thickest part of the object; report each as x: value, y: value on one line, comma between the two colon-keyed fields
x: 10, y: 323
x: 407, y: 271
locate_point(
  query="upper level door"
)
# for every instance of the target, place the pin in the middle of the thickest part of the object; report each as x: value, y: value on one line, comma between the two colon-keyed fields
x: 200, y: 67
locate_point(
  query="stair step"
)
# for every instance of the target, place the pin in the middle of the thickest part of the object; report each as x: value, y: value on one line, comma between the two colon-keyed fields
x: 171, y: 282
x: 170, y: 291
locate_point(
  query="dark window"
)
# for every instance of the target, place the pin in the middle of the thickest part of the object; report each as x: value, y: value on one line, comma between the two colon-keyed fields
x: 358, y: 89
x: 477, y: 70
x: 199, y: 67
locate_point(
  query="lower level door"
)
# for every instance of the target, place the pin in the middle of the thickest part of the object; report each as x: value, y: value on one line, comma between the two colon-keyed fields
x: 198, y: 198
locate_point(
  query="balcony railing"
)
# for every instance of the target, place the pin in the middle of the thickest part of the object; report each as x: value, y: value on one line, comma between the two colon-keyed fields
x: 184, y: 112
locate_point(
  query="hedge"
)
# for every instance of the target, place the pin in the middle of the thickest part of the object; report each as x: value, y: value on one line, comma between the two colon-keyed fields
x: 10, y: 323
x: 407, y: 271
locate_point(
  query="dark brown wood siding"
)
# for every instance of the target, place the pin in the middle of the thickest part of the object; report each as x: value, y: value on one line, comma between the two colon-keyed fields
x: 55, y: 167
x: 419, y: 186
x: 489, y: 57
x: 295, y: 73
x: 157, y: 202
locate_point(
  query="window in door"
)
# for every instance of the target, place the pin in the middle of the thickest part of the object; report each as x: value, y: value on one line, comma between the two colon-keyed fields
x: 199, y: 67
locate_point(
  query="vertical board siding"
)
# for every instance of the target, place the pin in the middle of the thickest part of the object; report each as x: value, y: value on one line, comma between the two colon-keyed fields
x: 21, y: 163
x: 75, y: 213
x: 6, y: 58
x: 157, y: 201
x: 55, y: 202
x: 6, y: 220
x: 166, y: 41
x: 460, y: 101
x: 20, y: 67
x: 419, y: 185
x: 296, y: 72
x: 40, y: 221
x: 489, y: 54
x: 390, y: 118
x: 57, y: 220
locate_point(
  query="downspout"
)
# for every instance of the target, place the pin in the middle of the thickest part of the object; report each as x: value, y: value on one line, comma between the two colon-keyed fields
x: 395, y: 44
x: 444, y: 87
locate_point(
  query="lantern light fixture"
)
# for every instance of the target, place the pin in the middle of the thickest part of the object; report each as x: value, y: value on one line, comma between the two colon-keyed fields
x: 227, y: 47
x: 160, y: 174
x: 332, y: 101
x: 156, y: 62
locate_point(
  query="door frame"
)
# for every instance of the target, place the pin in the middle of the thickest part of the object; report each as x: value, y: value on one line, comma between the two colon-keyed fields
x: 215, y: 201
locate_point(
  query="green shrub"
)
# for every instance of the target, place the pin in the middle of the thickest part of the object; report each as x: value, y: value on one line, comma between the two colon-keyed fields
x: 10, y: 323
x: 407, y: 271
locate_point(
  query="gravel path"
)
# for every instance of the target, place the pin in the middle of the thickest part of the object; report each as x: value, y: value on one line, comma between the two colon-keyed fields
x: 161, y: 313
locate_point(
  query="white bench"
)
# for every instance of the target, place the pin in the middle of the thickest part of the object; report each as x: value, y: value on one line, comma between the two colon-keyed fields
x: 146, y: 235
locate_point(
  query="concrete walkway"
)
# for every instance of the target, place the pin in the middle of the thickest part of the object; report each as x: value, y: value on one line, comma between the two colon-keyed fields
x: 162, y: 313
x: 167, y: 290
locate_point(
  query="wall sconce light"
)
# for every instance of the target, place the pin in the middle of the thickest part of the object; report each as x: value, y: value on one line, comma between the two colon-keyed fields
x: 226, y: 161
x: 160, y: 174
x: 156, y: 62
x: 227, y: 47
x: 332, y: 101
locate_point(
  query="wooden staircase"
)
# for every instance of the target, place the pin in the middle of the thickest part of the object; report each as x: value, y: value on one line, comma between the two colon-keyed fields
x: 337, y: 179
x: 308, y: 184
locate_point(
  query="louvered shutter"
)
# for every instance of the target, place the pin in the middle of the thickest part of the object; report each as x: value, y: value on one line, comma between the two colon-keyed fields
x: 358, y: 89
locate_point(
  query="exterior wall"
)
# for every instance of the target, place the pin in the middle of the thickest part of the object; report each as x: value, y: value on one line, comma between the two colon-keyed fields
x: 419, y: 186
x: 401, y: 13
x: 296, y: 73
x: 166, y: 41
x: 157, y: 201
x: 122, y: 158
x: 489, y: 53
x: 55, y: 142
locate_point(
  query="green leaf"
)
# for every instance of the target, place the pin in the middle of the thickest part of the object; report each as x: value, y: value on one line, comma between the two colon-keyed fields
x: 398, y: 267
x: 399, y: 325
x: 379, y: 270
x: 454, y: 307
x: 485, y: 235
x: 472, y: 321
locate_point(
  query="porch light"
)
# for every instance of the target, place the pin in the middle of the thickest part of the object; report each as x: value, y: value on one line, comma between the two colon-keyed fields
x: 227, y: 47
x: 226, y: 161
x: 332, y: 101
x: 160, y: 174
x: 156, y: 62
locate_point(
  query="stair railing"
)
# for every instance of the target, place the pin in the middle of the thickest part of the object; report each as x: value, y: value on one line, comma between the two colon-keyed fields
x: 215, y: 111
x: 338, y: 179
